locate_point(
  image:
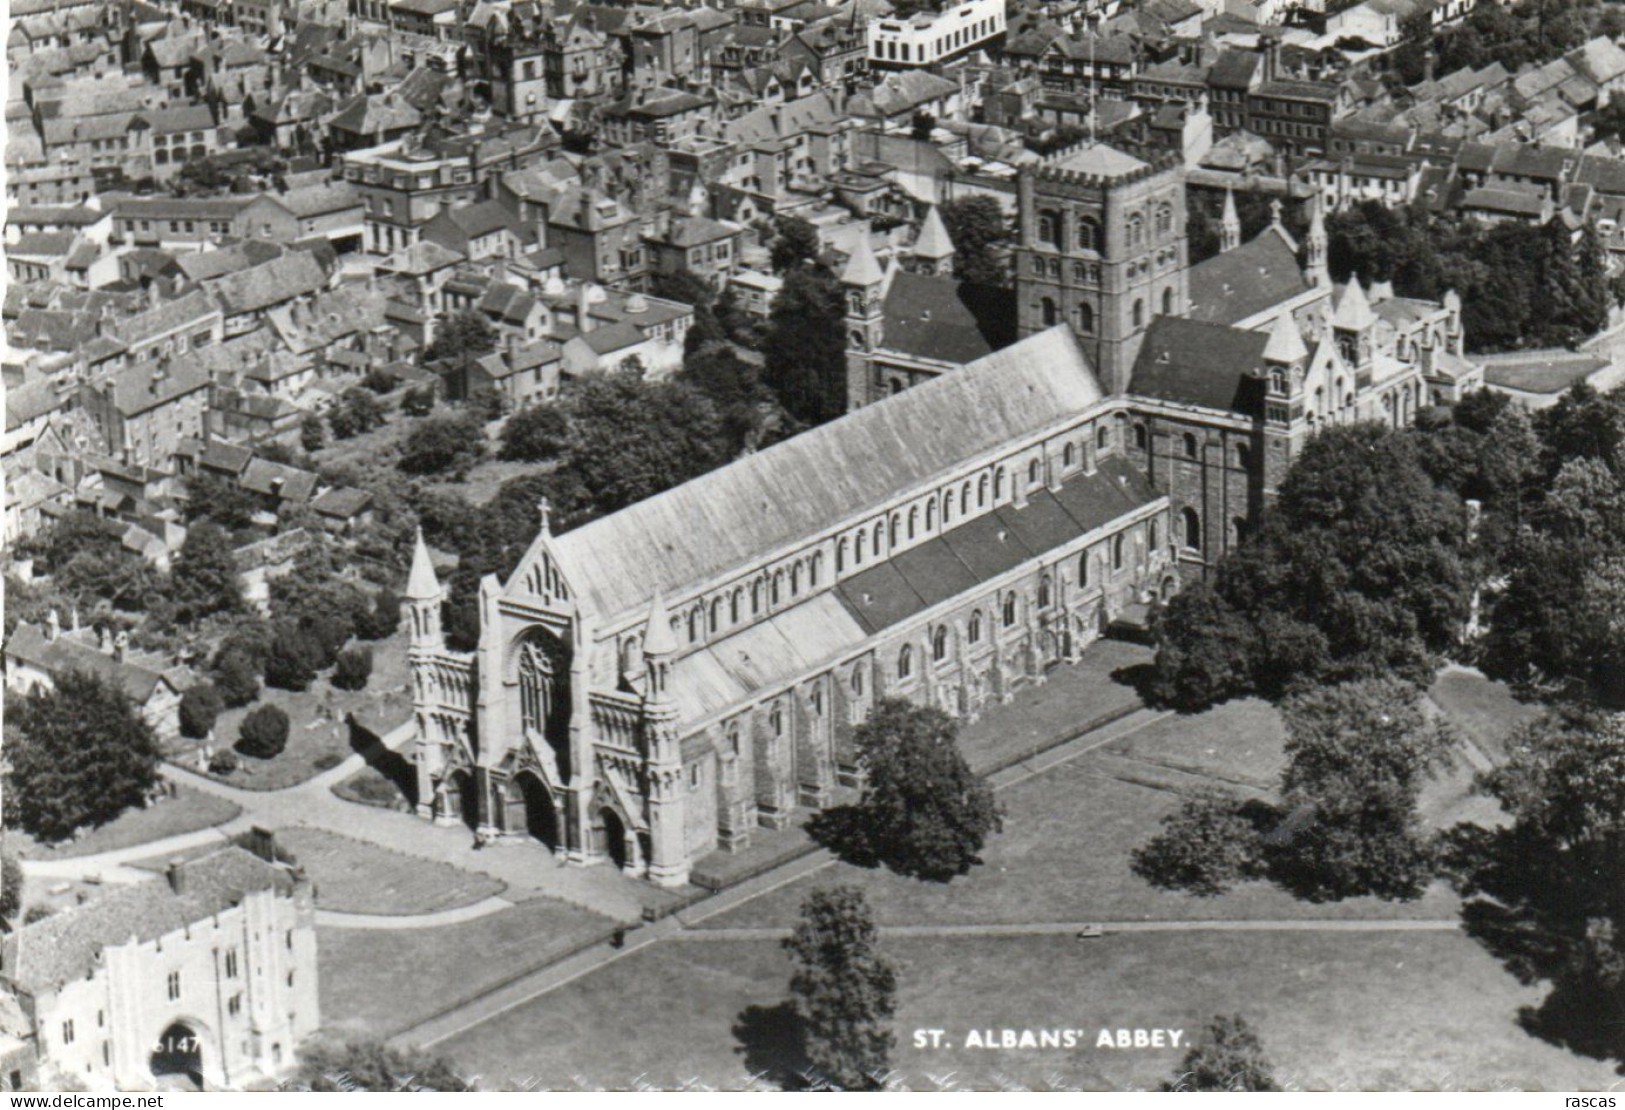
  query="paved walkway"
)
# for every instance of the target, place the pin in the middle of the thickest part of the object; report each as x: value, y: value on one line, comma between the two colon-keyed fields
x: 527, y: 868
x: 1072, y: 928
x: 454, y: 916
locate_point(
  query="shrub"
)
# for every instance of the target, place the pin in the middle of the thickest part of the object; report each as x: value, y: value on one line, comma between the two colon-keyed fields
x: 236, y: 678
x: 1205, y: 847
x: 200, y: 705
x: 443, y: 443
x: 294, y: 659
x: 223, y: 762
x: 383, y: 618
x: 37, y: 913
x: 418, y: 401
x: 353, y: 669
x: 535, y: 434
x: 264, y: 733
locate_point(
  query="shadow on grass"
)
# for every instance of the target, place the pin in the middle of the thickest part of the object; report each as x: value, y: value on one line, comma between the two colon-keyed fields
x: 841, y: 829
x: 773, y: 1043
x: 392, y: 765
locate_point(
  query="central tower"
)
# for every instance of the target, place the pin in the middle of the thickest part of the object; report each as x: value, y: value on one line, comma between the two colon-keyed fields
x: 1102, y: 248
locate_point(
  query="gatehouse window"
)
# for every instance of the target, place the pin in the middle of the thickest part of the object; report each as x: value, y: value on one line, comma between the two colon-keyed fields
x: 1083, y: 569
x: 975, y: 632
x: 1139, y: 313
x: 1032, y: 473
x: 1009, y: 610
x: 1066, y: 455
x: 1189, y: 442
x: 1244, y: 456
x: 1168, y: 301
x: 1102, y: 438
x: 1047, y: 307
x: 1117, y: 552
x: 905, y: 661
x: 939, y: 644
x: 1139, y: 436
x: 1155, y: 536
x: 1044, y: 592
x: 857, y: 681
x: 1049, y: 228
x: 1086, y: 318
x: 1088, y: 234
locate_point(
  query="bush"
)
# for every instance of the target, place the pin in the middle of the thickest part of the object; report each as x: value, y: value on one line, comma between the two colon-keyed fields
x: 236, y: 678
x: 264, y: 733
x: 535, y: 434
x: 200, y: 705
x: 353, y: 669
x: 295, y: 657
x: 383, y: 618
x: 223, y: 762
x: 443, y: 443
x: 1205, y: 847
x: 418, y: 401
x: 327, y: 761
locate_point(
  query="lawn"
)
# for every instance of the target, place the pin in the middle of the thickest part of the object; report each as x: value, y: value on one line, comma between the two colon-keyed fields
x: 318, y: 736
x: 355, y: 876
x: 378, y: 983
x: 485, y: 478
x: 186, y: 811
x: 1335, y: 1011
x: 1484, y: 710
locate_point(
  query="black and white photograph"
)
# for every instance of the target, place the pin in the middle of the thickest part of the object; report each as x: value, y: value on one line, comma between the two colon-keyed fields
x: 766, y: 546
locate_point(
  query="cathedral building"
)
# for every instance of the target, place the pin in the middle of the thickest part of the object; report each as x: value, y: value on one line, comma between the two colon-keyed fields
x: 650, y: 687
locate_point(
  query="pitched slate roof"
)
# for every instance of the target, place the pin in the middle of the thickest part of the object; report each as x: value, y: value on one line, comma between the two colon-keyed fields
x: 1198, y: 363
x: 1259, y: 274
x: 750, y: 508
x: 57, y: 657
x: 66, y: 945
x: 946, y: 320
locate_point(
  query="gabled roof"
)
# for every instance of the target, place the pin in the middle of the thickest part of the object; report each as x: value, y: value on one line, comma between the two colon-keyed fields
x: 750, y: 508
x: 1259, y: 274
x: 946, y: 320
x: 1197, y: 363
x: 64, y: 654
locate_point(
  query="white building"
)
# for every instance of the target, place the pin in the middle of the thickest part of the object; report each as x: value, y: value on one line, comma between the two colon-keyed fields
x: 205, y: 977
x: 929, y: 38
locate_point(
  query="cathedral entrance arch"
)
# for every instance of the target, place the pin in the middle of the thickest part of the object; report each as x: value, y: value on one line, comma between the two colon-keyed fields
x: 177, y: 1058
x: 466, y: 797
x: 540, y: 668
x: 614, y: 837
x: 527, y: 793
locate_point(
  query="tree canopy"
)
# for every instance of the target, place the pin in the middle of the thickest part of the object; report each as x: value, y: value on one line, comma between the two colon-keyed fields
x: 80, y: 754
x: 1228, y: 1057
x: 804, y: 350
x: 843, y: 990
x: 978, y: 228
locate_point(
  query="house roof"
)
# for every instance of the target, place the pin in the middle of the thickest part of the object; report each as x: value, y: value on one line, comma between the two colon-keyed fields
x: 28, y: 644
x: 270, y: 283
x: 808, y: 483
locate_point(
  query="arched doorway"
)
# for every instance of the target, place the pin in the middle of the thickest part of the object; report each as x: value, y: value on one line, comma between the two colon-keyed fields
x: 614, y: 837
x: 541, y: 819
x: 468, y: 798
x: 177, y: 1059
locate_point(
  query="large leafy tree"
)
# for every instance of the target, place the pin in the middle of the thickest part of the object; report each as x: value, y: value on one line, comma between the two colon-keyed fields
x: 535, y: 434
x: 86, y: 558
x: 1361, y: 567
x: 441, y: 443
x: 922, y: 812
x: 205, y: 580
x: 1229, y: 1057
x: 1544, y: 891
x: 843, y: 990
x: 216, y: 498
x: 977, y: 227
x: 463, y: 336
x: 355, y: 413
x: 795, y: 243
x: 79, y: 754
x: 804, y: 350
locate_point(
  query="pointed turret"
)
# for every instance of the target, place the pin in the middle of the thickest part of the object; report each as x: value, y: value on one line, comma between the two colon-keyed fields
x: 423, y: 597
x: 1353, y: 310
x: 1229, y: 224
x: 1285, y: 343
x: 861, y: 268
x: 1315, y: 270
x: 422, y: 584
x: 933, y: 250
x: 658, y: 639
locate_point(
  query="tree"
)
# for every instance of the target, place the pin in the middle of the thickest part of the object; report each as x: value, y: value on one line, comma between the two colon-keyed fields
x: 263, y: 733
x: 805, y: 346
x: 462, y: 337
x: 384, y: 617
x: 843, y: 990
x: 353, y: 668
x: 80, y: 754
x: 418, y: 401
x: 535, y: 434
x: 11, y: 888
x: 1206, y: 650
x: 735, y: 385
x: 978, y: 227
x: 1358, y: 755
x: 200, y: 706
x: 1229, y: 1057
x: 312, y: 432
x: 442, y: 443
x: 795, y: 244
x: 922, y: 125
x: 370, y: 1065
x: 684, y: 286
x: 86, y: 558
x: 1205, y: 847
x: 1544, y: 891
x: 356, y: 413
x: 236, y: 677
x: 922, y: 812
x: 205, y: 580
x: 294, y: 658
x: 220, y: 500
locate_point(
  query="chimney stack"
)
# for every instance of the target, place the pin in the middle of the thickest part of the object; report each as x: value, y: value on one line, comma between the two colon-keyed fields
x: 121, y: 643
x: 175, y: 872
x: 53, y: 626
x: 583, y: 310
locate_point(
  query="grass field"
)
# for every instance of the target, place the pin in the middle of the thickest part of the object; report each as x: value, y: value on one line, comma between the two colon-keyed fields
x: 355, y: 876
x: 188, y: 811
x: 378, y: 983
x: 1334, y: 1010
x: 1485, y: 711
